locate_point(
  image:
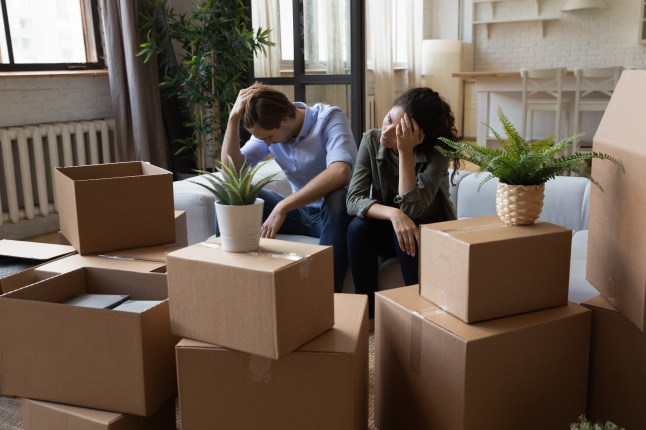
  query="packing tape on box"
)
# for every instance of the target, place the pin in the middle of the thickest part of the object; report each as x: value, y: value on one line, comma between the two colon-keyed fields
x: 304, y: 268
x: 416, y: 321
x: 470, y: 228
x: 416, y: 325
x: 260, y: 368
x: 292, y: 256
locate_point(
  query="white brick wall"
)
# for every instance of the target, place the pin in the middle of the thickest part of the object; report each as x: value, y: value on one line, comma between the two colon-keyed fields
x: 590, y: 38
x: 25, y: 101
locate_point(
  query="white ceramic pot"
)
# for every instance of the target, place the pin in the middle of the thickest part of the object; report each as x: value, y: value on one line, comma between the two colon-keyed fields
x: 240, y: 226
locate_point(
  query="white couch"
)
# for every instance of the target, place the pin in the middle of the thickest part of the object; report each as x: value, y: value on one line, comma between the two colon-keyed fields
x: 567, y: 201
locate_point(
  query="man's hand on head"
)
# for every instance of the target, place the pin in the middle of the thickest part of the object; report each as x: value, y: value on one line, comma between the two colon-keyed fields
x: 240, y: 104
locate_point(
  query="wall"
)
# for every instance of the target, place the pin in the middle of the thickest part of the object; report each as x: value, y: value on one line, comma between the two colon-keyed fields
x: 36, y: 100
x: 603, y: 37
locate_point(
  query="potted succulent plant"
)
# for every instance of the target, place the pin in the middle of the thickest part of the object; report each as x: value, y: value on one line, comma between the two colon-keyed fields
x: 237, y: 206
x: 523, y: 168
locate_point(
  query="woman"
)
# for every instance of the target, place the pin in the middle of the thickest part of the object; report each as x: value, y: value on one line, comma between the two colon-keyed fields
x: 399, y: 182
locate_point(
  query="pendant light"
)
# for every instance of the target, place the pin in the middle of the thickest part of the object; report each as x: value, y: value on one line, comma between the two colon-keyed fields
x: 573, y: 5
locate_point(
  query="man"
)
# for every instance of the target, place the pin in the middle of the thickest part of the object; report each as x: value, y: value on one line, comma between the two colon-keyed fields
x: 315, y: 148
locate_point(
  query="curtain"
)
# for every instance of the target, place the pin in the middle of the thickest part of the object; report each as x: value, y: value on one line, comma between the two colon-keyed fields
x: 133, y: 86
x: 337, y: 28
x: 265, y: 14
x: 380, y: 29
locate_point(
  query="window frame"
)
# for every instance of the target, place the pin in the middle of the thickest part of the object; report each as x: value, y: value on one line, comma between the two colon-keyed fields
x: 642, y: 23
x: 92, y: 37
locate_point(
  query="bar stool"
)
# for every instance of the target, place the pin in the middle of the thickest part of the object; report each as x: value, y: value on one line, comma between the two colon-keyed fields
x: 543, y: 91
x: 593, y: 89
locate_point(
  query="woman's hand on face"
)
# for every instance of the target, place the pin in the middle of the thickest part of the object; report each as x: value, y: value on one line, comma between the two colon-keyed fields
x: 406, y: 231
x: 409, y: 134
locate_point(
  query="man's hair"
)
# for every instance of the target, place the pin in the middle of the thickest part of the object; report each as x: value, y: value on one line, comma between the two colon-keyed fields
x: 267, y: 108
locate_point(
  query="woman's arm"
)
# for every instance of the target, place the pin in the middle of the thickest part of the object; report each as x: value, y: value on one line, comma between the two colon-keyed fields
x: 359, y: 197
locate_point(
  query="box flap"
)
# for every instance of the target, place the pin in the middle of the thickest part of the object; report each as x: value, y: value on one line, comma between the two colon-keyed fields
x: 601, y: 303
x: 625, y: 109
x: 102, y: 171
x: 73, y: 262
x: 104, y: 418
x: 33, y: 250
x: 147, y: 253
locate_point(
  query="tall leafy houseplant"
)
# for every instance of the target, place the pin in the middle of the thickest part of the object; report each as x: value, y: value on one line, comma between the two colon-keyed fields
x: 523, y: 168
x: 216, y: 47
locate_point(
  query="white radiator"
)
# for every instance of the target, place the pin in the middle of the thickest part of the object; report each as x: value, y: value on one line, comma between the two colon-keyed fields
x: 29, y: 156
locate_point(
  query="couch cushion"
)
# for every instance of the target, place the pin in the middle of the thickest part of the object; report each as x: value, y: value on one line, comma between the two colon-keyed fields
x: 580, y: 289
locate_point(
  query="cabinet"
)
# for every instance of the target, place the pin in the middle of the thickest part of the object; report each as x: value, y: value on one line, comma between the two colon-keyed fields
x: 493, y: 20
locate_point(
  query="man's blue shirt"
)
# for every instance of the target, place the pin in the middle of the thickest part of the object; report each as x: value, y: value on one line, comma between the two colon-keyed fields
x: 325, y: 138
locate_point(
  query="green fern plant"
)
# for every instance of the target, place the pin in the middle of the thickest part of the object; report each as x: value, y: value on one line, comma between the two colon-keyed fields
x: 524, y: 163
x: 235, y: 188
x: 584, y: 424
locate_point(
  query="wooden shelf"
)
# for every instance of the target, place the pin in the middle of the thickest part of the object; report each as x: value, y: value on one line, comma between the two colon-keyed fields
x: 542, y: 21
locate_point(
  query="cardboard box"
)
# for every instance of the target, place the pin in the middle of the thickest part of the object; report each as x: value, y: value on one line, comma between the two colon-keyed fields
x: 617, y: 367
x: 434, y: 371
x: 95, y: 358
x: 480, y: 268
x: 181, y: 240
x: 267, y: 302
x: 322, y: 385
x: 19, y: 258
x: 617, y: 236
x: 106, y: 207
x: 38, y: 415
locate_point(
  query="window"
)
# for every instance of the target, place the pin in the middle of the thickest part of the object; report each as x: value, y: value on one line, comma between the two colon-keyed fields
x: 642, y: 24
x: 49, y: 35
x: 319, y: 54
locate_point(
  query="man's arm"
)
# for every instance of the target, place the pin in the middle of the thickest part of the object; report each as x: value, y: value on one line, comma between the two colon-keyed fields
x: 231, y: 139
x: 335, y: 176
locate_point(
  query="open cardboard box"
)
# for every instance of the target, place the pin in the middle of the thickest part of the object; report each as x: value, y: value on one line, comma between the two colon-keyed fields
x: 20, y: 258
x: 106, y: 207
x: 321, y: 386
x: 95, y: 358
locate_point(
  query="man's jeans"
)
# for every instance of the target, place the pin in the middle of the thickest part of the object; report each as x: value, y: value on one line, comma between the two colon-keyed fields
x: 329, y: 224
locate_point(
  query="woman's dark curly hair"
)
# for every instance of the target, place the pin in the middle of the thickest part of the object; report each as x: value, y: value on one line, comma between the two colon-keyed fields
x: 433, y: 115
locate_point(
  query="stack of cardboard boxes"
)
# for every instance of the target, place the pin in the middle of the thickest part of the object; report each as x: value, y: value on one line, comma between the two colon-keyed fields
x: 487, y: 340
x: 267, y: 344
x: 617, y: 261
x: 79, y: 362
